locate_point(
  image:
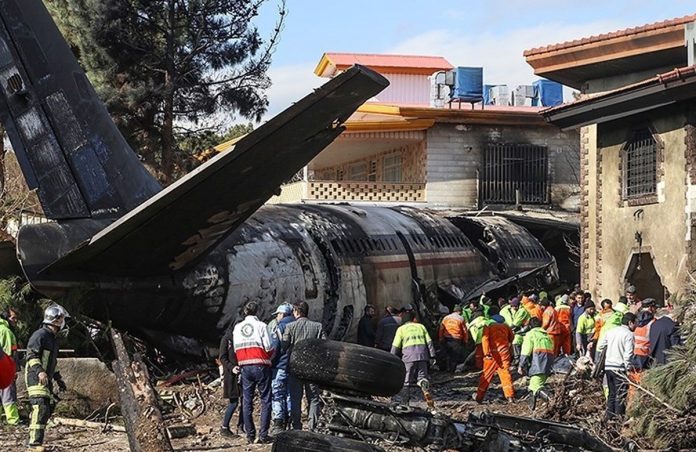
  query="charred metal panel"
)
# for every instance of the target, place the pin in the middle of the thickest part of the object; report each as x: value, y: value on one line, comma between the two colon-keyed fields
x: 510, y: 247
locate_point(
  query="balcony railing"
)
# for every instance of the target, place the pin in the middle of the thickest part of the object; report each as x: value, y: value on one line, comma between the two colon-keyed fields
x: 351, y: 192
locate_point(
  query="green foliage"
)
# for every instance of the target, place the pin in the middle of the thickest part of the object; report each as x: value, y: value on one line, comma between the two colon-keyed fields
x: 163, y: 66
x: 16, y: 294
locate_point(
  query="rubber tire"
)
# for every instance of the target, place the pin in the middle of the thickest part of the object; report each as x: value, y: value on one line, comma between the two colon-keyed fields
x: 343, y: 366
x: 298, y: 440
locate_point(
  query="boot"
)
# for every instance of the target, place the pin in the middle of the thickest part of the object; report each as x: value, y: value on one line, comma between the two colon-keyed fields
x: 543, y: 395
x: 532, y: 401
x: 277, y: 426
x: 404, y: 396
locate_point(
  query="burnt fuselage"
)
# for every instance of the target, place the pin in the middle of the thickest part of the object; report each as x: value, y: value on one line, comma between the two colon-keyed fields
x: 338, y: 258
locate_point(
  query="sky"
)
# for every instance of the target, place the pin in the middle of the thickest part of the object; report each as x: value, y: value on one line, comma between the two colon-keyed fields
x: 492, y: 34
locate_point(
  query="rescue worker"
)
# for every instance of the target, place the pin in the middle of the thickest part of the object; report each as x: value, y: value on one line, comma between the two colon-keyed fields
x: 664, y: 334
x: 551, y: 324
x: 230, y: 384
x: 366, y: 327
x: 453, y: 337
x: 584, y: 330
x: 565, y: 318
x: 252, y: 347
x: 603, y: 315
x: 632, y: 300
x: 299, y: 330
x: 386, y: 329
x: 280, y: 395
x: 641, y: 350
x: 413, y: 345
x: 516, y: 318
x: 496, y: 342
x: 536, y: 360
x: 40, y: 372
x: 619, y: 343
x: 577, y: 309
x: 8, y: 343
x: 478, y: 321
x: 530, y: 303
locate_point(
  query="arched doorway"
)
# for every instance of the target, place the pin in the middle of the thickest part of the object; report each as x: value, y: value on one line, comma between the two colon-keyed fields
x: 641, y: 273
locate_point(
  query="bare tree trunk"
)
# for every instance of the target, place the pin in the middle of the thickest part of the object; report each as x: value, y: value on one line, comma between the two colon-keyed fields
x: 141, y: 413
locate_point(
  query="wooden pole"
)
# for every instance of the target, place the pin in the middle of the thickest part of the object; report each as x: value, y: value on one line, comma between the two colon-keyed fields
x: 141, y: 414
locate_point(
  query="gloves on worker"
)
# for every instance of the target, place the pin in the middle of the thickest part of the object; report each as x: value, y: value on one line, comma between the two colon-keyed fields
x: 61, y: 385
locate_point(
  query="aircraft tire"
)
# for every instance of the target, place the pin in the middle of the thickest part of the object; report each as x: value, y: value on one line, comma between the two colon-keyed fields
x: 350, y: 367
x: 298, y: 440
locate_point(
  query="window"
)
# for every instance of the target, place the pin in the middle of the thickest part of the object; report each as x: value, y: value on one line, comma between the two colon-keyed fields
x: 357, y: 172
x: 508, y: 168
x: 372, y: 174
x: 640, y: 165
x: 391, y: 168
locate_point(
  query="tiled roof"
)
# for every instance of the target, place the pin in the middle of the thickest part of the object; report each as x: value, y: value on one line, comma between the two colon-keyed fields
x: 616, y: 34
x: 400, y: 61
x: 666, y: 77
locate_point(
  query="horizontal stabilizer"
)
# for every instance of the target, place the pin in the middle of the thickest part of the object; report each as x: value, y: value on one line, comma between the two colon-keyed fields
x: 178, y: 225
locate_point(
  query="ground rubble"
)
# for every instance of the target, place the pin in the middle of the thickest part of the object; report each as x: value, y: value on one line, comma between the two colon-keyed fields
x: 192, y: 407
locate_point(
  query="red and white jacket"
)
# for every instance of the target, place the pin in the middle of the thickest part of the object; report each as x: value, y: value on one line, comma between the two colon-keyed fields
x: 252, y: 344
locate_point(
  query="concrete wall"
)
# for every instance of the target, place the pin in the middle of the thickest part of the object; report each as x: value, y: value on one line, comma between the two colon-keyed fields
x: 610, y: 223
x: 455, y: 154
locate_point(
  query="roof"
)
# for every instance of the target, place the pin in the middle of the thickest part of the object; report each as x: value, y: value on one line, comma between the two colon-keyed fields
x: 661, y: 90
x: 408, y: 64
x: 489, y: 115
x: 615, y: 34
x: 630, y: 54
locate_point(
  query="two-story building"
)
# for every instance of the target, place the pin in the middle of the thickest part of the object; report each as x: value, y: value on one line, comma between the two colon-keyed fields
x: 397, y: 148
x: 637, y: 117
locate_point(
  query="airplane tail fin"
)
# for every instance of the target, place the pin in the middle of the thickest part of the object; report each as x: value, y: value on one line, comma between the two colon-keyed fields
x: 68, y: 147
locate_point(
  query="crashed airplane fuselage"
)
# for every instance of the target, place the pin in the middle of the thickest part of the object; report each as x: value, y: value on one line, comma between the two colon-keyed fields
x: 182, y: 261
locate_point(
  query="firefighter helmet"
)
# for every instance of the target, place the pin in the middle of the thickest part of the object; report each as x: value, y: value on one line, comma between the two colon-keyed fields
x: 56, y: 315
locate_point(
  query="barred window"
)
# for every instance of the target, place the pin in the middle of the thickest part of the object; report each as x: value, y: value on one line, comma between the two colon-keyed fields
x: 511, y: 167
x: 640, y: 165
x: 357, y: 171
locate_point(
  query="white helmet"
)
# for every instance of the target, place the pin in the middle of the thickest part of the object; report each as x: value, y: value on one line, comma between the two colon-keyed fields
x: 55, y: 315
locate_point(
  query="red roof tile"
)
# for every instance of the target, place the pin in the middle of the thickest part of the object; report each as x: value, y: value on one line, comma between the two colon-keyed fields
x: 397, y: 61
x: 612, y: 35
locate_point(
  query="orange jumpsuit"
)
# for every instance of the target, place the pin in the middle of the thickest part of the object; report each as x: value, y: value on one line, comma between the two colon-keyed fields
x: 495, y: 343
x: 564, y: 314
x: 532, y: 308
x: 553, y: 327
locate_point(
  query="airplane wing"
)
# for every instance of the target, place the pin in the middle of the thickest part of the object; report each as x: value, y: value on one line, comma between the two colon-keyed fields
x: 178, y: 225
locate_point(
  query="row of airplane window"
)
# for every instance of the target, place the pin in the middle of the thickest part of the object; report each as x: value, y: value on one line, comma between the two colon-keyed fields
x: 380, y: 244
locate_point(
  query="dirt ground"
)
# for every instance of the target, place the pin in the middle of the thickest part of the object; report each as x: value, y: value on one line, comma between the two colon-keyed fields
x: 452, y: 394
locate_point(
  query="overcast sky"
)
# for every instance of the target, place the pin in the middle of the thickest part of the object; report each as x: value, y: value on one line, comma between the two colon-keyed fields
x: 492, y: 33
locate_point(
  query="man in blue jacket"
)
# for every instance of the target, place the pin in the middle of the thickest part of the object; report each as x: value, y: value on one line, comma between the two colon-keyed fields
x: 280, y: 414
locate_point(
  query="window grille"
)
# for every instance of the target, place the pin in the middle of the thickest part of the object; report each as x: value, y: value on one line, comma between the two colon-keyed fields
x: 391, y: 168
x: 640, y: 165
x: 511, y: 167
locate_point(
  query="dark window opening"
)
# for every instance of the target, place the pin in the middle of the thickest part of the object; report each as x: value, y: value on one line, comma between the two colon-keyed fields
x: 640, y: 165
x: 511, y: 167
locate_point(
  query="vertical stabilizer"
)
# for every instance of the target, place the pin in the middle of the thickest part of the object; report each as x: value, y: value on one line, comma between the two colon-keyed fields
x: 68, y: 147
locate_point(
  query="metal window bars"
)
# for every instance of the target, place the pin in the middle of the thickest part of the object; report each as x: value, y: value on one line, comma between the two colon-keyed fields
x: 511, y: 167
x: 640, y: 171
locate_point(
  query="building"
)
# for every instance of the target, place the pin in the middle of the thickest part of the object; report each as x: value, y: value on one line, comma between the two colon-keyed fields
x: 397, y: 148
x: 638, y: 153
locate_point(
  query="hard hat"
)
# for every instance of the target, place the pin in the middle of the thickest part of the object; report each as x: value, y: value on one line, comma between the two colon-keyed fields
x: 55, y: 315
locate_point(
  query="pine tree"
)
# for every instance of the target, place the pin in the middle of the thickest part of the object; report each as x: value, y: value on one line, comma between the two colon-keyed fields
x: 163, y: 66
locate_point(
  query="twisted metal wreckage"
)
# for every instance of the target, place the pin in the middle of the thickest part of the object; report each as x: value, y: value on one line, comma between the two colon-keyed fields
x: 175, y: 265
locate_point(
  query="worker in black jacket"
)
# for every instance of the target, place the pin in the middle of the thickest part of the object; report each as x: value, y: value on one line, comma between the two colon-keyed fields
x: 230, y: 383
x: 40, y: 372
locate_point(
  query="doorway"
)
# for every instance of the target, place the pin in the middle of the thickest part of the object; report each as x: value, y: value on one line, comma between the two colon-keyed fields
x: 641, y: 273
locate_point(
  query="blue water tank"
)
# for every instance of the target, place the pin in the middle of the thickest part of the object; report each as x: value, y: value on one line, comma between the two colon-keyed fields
x: 547, y: 93
x: 468, y: 84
